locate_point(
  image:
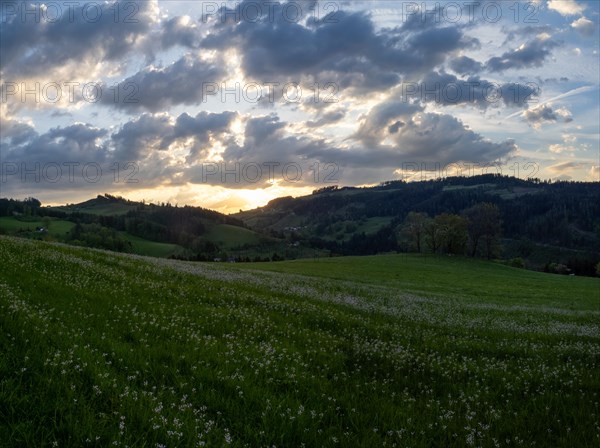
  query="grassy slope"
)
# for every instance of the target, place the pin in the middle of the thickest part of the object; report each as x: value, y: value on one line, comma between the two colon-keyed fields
x: 99, y: 348
x: 149, y: 248
x: 12, y: 225
x: 228, y: 236
x: 100, y: 208
x: 451, y: 277
x: 59, y: 228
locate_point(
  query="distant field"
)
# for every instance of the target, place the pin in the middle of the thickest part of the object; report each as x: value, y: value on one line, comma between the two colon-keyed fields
x: 12, y: 225
x: 151, y: 248
x: 112, y: 208
x: 59, y: 228
x: 103, y: 349
x: 458, y: 278
x: 344, y: 230
x: 231, y: 236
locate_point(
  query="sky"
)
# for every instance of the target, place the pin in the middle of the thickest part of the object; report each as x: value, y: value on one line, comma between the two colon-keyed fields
x: 228, y: 105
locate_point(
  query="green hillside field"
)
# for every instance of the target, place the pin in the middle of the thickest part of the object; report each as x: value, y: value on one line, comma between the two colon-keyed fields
x: 104, y: 349
x: 148, y: 248
x: 229, y: 236
x: 12, y: 225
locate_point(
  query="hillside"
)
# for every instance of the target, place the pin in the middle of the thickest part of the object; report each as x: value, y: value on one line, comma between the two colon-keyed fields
x: 133, y: 351
x: 541, y: 221
x: 161, y: 230
x: 550, y: 226
x: 105, y: 205
x: 449, y: 278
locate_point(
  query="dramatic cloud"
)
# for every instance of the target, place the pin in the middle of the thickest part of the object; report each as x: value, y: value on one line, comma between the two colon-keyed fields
x: 377, y: 89
x: 343, y: 47
x: 530, y: 54
x: 327, y: 118
x: 161, y: 146
x: 154, y: 89
x: 266, y: 139
x: 464, y: 65
x: 546, y: 114
x: 76, y: 143
x: 387, y: 117
x: 413, y: 135
x: 181, y: 30
x: 446, y: 89
x: 82, y: 36
x: 159, y: 132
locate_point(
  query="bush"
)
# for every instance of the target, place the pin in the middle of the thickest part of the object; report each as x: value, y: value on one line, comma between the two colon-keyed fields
x: 598, y: 269
x: 557, y: 268
x: 517, y: 263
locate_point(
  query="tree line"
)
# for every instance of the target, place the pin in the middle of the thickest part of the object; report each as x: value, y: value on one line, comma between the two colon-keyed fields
x: 476, y: 231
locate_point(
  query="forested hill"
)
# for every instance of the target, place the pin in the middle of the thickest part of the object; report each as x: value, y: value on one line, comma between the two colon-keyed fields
x: 560, y: 216
x: 553, y: 226
x: 115, y: 223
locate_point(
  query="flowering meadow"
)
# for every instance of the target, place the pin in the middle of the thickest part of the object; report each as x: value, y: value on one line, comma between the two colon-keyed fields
x: 102, y: 349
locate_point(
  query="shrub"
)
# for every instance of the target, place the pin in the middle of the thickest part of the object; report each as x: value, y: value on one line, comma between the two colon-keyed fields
x: 557, y: 268
x: 517, y: 263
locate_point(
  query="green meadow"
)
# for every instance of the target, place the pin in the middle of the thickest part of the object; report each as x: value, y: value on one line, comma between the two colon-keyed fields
x: 103, y: 349
x: 148, y: 248
x: 448, y: 278
x: 57, y: 228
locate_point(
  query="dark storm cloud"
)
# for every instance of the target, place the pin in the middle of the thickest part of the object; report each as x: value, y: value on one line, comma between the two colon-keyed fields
x: 532, y: 54
x: 381, y: 117
x: 464, y: 65
x: 203, y: 128
x: 72, y: 143
x: 266, y: 140
x: 182, y: 31
x: 145, y: 141
x: 31, y: 45
x: 343, y: 47
x: 15, y: 131
x: 150, y: 132
x: 446, y: 89
x: 138, y: 137
x: 155, y: 89
x: 403, y: 132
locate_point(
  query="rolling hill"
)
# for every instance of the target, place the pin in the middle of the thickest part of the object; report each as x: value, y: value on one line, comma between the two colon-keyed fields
x: 106, y: 349
x: 552, y: 226
x: 160, y: 230
x: 541, y: 221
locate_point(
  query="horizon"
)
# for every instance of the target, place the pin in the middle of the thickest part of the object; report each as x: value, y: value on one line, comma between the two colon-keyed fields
x: 230, y: 104
x: 337, y: 187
